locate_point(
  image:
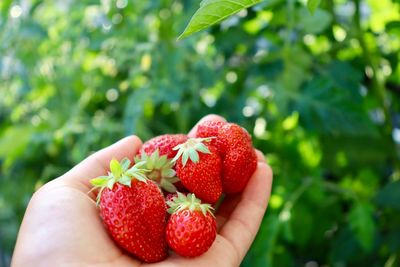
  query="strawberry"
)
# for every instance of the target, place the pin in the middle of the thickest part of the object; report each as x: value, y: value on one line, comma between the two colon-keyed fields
x: 164, y: 143
x: 209, y: 129
x: 159, y: 170
x: 192, y: 227
x: 179, y: 187
x: 133, y: 210
x: 202, y: 173
x: 239, y: 157
x: 239, y: 160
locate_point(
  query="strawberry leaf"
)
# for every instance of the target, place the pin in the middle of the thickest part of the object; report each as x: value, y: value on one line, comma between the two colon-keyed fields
x: 168, y: 186
x: 99, y: 181
x: 110, y: 184
x: 169, y: 173
x: 312, y: 5
x: 188, y: 202
x: 190, y: 149
x: 185, y: 158
x: 193, y: 155
x: 125, y: 180
x: 115, y: 168
x: 203, y: 148
x: 125, y: 163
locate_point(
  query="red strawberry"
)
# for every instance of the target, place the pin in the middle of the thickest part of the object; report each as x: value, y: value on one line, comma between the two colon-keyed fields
x: 192, y: 227
x: 202, y: 173
x: 133, y: 210
x: 179, y: 187
x: 209, y: 129
x: 239, y: 157
x: 239, y: 160
x: 164, y: 143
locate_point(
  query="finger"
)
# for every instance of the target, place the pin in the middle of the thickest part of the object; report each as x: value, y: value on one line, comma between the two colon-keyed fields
x: 224, y: 211
x: 242, y: 226
x: 230, y: 202
x: 260, y: 156
x: 211, y: 117
x: 98, y: 163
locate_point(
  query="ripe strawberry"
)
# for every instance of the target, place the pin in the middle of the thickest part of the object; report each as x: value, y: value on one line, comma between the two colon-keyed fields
x: 164, y: 143
x: 192, y: 227
x: 239, y: 157
x: 133, y: 210
x: 239, y: 160
x: 201, y: 174
x: 209, y: 129
x: 159, y: 170
x: 179, y: 187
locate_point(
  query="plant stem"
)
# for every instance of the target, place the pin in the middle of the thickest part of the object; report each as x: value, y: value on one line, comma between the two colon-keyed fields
x: 378, y: 85
x: 378, y: 82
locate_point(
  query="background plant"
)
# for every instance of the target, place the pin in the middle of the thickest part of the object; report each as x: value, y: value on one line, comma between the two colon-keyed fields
x: 317, y: 86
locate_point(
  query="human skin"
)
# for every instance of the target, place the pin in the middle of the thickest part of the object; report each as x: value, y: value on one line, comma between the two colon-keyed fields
x: 62, y: 226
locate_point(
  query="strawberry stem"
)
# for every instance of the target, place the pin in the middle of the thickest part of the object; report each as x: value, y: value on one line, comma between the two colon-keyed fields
x: 190, y: 149
x: 188, y: 202
x: 160, y: 170
x: 119, y: 173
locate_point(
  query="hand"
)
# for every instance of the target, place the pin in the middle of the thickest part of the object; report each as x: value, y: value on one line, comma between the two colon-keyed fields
x: 62, y: 226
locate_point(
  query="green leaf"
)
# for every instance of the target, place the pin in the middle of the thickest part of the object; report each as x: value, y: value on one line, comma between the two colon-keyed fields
x: 169, y: 173
x: 168, y: 186
x: 314, y: 23
x: 202, y: 148
x: 389, y: 196
x: 328, y: 108
x: 99, y: 181
x: 214, y: 11
x: 362, y: 224
x: 185, y: 158
x: 115, y: 168
x: 178, y: 154
x: 312, y: 5
x: 125, y: 163
x: 5, y: 7
x: 110, y: 183
x: 193, y: 155
x: 125, y: 180
x: 139, y: 176
x: 11, y: 150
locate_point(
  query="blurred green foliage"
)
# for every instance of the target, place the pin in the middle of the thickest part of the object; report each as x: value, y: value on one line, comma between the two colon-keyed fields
x: 318, y: 91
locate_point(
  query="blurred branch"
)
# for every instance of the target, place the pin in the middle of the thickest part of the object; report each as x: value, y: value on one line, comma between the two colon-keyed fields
x: 296, y: 195
x: 330, y: 7
x: 290, y: 23
x: 337, y: 189
x: 378, y: 85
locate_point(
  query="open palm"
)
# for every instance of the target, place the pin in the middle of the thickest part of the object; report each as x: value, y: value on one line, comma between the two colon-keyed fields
x: 62, y: 227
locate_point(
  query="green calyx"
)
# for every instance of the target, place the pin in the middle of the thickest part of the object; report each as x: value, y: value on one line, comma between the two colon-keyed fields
x: 190, y: 150
x: 119, y: 173
x: 189, y: 202
x: 160, y: 170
